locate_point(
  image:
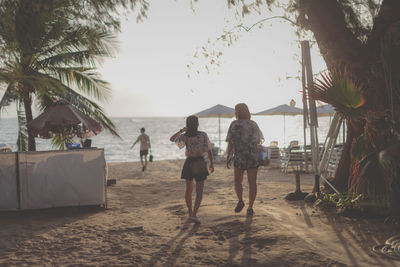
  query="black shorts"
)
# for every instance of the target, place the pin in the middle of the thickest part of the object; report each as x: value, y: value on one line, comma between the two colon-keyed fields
x: 144, y: 152
x: 187, y: 172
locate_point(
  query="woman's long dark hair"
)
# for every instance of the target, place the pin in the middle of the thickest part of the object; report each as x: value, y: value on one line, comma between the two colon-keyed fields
x: 192, y: 124
x: 242, y: 112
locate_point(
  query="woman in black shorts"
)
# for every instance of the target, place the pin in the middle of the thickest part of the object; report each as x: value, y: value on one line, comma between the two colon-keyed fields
x: 197, y: 146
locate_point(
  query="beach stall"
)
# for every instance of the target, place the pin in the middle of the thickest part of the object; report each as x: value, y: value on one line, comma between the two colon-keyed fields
x: 48, y: 179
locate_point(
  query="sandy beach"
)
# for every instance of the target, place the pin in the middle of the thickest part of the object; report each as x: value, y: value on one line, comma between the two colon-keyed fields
x: 145, y: 224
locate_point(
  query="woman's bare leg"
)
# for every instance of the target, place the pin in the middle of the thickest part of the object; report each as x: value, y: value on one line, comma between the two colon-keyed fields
x: 238, y: 174
x: 188, y: 196
x: 199, y: 197
x: 252, y: 178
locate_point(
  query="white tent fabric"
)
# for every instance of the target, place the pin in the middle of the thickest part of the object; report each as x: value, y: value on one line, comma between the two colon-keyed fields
x: 62, y: 178
x: 8, y: 182
x: 53, y: 179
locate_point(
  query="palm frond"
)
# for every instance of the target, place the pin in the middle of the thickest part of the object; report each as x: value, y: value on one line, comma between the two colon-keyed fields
x: 58, y: 141
x: 76, y: 38
x: 10, y: 95
x: 85, y: 80
x: 80, y: 58
x: 339, y: 89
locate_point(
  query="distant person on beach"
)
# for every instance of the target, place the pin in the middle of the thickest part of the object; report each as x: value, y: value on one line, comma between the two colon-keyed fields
x: 197, y: 146
x: 145, y: 145
x: 244, y: 139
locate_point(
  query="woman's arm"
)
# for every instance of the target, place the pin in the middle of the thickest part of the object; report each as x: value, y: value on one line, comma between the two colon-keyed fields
x: 172, y: 139
x: 210, y: 157
x: 228, y: 155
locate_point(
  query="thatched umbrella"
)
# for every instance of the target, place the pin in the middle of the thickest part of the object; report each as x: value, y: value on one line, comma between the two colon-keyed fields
x: 61, y: 116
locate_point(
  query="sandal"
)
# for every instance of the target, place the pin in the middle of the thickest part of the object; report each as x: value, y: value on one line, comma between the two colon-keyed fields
x: 250, y: 212
x: 239, y: 206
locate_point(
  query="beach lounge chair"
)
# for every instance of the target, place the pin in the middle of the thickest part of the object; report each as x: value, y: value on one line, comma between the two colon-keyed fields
x: 332, y: 165
x: 274, y: 155
x: 295, y: 158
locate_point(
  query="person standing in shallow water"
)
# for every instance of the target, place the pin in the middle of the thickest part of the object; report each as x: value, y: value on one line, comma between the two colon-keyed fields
x: 197, y: 146
x: 145, y: 145
x: 244, y: 139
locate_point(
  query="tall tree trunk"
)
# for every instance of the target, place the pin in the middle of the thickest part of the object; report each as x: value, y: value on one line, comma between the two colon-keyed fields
x: 344, y: 174
x: 28, y: 113
x: 339, y: 45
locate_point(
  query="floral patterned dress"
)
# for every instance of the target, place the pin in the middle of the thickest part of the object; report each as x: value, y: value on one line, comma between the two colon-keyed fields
x: 245, y: 137
x: 196, y: 146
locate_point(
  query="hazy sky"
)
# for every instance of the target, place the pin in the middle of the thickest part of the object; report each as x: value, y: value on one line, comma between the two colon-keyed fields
x: 149, y: 75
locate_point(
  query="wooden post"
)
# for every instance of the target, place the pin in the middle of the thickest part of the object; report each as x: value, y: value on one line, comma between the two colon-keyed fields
x: 296, y: 195
x: 297, y: 177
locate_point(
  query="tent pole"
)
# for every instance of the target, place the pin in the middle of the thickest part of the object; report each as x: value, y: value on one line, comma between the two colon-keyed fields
x: 17, y: 174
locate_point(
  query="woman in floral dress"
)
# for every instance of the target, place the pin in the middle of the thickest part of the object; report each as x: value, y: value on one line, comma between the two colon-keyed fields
x: 244, y: 139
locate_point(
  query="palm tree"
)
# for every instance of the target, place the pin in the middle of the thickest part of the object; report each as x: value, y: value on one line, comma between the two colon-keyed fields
x: 376, y: 151
x: 44, y: 55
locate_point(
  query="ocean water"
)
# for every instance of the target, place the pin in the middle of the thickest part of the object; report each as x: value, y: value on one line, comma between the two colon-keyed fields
x: 274, y: 128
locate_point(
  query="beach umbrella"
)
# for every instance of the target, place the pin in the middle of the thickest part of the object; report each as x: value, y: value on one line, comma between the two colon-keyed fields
x: 281, y: 110
x: 217, y: 111
x: 60, y: 116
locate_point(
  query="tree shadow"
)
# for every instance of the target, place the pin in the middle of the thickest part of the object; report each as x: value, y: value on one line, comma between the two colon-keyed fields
x: 361, y: 232
x: 23, y: 225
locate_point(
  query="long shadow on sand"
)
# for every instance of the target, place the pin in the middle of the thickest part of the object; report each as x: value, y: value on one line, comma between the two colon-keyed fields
x: 354, y: 234
x: 236, y: 245
x: 173, y: 255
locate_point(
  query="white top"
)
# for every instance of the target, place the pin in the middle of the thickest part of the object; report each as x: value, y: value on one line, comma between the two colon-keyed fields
x: 196, y: 146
